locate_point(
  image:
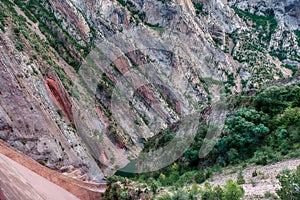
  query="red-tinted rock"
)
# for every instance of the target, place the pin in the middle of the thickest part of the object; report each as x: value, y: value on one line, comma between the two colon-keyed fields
x: 60, y: 97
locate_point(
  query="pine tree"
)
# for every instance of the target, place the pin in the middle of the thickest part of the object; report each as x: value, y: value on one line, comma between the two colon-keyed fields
x: 240, y: 178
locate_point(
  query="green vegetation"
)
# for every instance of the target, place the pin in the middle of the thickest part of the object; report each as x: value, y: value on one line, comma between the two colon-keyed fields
x: 156, y: 27
x: 297, y: 32
x: 232, y: 191
x: 243, y: 134
x: 275, y: 99
x: 210, y: 81
x: 254, y: 46
x: 25, y: 38
x: 6, y: 9
x: 24, y: 141
x: 290, y: 184
x: 165, y: 1
x: 98, y: 135
x: 60, y: 112
x: 152, y: 25
x: 66, y: 81
x: 122, y: 2
x: 19, y: 46
x: 157, y: 142
x: 281, y: 55
x: 118, y: 187
x: 198, y: 7
x: 240, y: 178
x: 217, y: 41
x: 136, y: 15
x: 105, y: 88
x: 230, y: 79
x: 50, y: 26
x: 294, y: 68
x: 265, y: 131
x: 266, y: 24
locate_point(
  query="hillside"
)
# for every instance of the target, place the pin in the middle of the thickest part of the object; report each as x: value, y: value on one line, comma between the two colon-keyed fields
x: 102, y: 84
x: 256, y: 186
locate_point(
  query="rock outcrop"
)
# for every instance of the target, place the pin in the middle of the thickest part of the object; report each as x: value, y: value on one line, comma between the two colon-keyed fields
x: 60, y: 97
x: 60, y: 81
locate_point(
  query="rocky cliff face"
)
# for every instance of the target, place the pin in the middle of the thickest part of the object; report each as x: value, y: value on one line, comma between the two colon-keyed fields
x: 57, y: 107
x: 285, y: 11
x: 36, y: 106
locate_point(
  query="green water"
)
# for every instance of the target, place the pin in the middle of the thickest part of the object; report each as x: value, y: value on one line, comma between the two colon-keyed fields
x: 128, y: 171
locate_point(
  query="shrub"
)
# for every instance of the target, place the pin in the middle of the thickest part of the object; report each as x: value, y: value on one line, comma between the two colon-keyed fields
x: 164, y: 1
x: 60, y: 112
x: 270, y: 195
x: 180, y: 195
x: 260, y: 158
x: 212, y: 193
x: 19, y: 46
x: 240, y: 178
x: 195, y: 191
x: 290, y: 184
x: 232, y: 191
x: 294, y: 68
x: 154, y: 186
x: 254, y: 173
x: 112, y: 179
x: 192, y: 156
x: 165, y: 197
x: 297, y: 32
x: 218, y: 192
x: 199, y: 177
x: 198, y: 7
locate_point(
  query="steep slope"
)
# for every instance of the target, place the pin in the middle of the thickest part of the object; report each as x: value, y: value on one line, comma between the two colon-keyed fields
x: 63, y: 64
x: 36, y: 109
x: 206, y: 42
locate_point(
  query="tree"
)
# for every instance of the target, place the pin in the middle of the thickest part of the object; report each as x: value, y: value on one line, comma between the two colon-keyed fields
x: 154, y: 184
x: 232, y: 191
x: 254, y: 173
x: 195, y: 191
x: 275, y: 99
x: 271, y: 100
x: 218, y: 193
x: 291, y: 116
x: 243, y: 134
x: 199, y: 177
x: 192, y: 156
x: 212, y: 193
x: 233, y: 155
x: 124, y: 195
x: 240, y: 178
x: 208, y: 193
